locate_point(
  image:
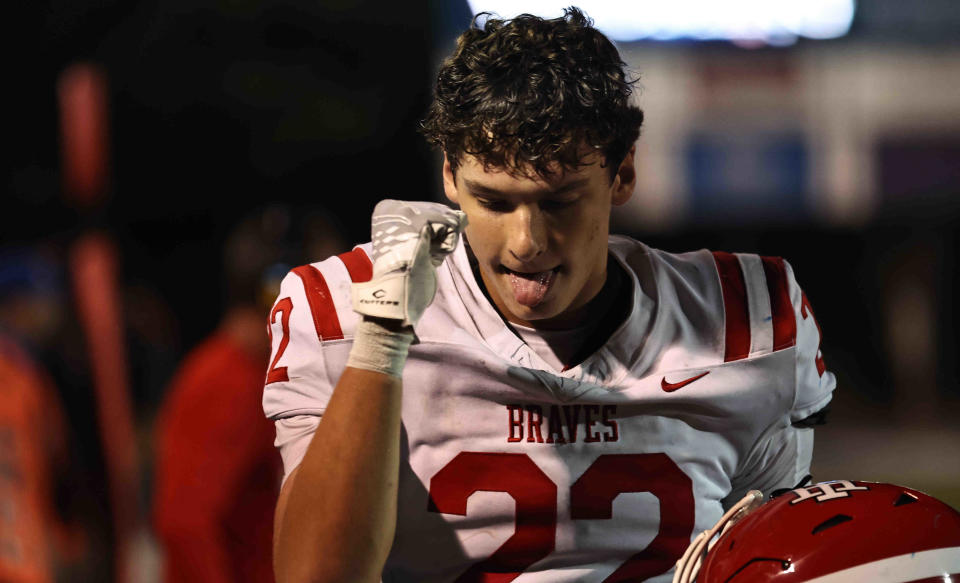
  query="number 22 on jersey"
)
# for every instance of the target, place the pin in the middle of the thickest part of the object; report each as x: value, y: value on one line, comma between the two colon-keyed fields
x: 591, y: 498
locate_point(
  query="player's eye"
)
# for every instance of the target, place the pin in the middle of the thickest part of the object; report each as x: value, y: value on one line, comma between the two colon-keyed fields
x: 495, y: 205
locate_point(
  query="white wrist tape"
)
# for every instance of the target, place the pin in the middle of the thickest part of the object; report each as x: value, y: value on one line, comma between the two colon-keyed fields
x: 380, y: 348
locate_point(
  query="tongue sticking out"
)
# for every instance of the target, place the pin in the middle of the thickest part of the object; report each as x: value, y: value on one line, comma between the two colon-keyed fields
x: 529, y: 289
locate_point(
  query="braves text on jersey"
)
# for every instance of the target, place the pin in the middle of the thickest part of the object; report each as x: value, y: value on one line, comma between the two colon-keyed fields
x: 600, y: 472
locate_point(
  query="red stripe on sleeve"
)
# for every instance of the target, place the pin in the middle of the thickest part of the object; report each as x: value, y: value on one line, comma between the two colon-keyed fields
x: 358, y: 265
x: 734, y: 306
x: 784, y: 320
x: 322, y: 309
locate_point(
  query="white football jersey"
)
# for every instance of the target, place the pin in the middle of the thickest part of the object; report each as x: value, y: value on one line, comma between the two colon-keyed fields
x: 514, y: 471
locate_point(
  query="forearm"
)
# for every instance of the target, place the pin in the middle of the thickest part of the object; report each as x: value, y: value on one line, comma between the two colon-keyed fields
x: 337, y: 514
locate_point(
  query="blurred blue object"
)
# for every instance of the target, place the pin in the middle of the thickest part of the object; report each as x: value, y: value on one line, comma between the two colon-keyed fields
x: 747, y: 177
x: 24, y: 270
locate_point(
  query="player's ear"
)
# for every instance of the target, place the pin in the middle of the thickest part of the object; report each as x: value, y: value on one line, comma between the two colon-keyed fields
x: 449, y: 181
x: 625, y: 180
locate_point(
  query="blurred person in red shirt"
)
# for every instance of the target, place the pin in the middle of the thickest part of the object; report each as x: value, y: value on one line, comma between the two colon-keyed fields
x: 217, y: 471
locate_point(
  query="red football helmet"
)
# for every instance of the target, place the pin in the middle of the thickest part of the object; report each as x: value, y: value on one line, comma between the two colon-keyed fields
x: 833, y: 532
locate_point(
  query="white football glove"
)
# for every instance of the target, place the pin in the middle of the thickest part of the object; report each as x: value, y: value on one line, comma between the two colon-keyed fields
x: 410, y: 240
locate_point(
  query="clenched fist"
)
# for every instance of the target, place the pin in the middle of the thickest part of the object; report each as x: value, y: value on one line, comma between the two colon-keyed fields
x: 410, y: 239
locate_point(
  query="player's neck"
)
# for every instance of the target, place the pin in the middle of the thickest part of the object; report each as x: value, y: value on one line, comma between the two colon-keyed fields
x: 595, y: 310
x: 609, y: 308
x: 571, y: 346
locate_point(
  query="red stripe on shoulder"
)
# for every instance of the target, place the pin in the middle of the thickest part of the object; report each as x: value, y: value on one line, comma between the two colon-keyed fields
x: 358, y: 265
x: 784, y: 320
x: 734, y: 306
x: 322, y: 308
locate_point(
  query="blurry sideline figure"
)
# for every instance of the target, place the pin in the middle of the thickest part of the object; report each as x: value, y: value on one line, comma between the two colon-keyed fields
x: 31, y: 446
x: 217, y: 473
x: 35, y: 541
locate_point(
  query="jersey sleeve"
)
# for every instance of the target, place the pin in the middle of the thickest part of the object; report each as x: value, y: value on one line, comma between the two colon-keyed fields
x: 815, y: 384
x: 293, y: 438
x: 781, y: 456
x: 311, y: 329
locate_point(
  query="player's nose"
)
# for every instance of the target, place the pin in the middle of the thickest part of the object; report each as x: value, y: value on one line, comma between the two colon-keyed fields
x: 527, y: 232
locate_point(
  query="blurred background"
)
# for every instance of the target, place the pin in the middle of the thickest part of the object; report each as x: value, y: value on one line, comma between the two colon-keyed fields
x: 169, y: 161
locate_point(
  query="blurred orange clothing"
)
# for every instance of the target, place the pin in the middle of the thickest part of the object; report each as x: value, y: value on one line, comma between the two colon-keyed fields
x: 31, y: 436
x: 217, y: 474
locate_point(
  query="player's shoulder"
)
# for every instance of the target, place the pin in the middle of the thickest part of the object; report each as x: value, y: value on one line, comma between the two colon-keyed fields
x: 743, y: 302
x: 318, y: 294
x: 353, y: 265
x: 701, y: 267
x: 670, y: 276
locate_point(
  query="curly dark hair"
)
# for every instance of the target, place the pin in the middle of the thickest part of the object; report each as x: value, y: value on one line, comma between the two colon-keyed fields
x: 531, y: 93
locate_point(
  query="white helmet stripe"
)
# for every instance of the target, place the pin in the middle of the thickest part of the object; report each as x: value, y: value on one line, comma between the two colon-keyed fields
x: 908, y: 567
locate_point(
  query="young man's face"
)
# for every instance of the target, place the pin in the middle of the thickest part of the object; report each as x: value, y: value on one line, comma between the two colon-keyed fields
x: 541, y: 244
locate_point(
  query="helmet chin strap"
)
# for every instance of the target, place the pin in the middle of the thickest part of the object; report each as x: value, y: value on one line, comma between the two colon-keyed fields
x: 689, y: 564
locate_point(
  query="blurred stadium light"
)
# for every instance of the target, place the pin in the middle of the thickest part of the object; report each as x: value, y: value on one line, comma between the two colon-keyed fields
x: 757, y: 21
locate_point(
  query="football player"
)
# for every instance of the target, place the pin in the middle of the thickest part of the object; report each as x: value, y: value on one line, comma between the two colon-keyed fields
x: 507, y: 392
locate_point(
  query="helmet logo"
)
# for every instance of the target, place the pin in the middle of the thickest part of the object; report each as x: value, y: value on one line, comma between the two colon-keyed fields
x: 826, y: 491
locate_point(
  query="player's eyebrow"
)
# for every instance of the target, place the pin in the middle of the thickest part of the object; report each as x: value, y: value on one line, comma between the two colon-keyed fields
x: 484, y: 190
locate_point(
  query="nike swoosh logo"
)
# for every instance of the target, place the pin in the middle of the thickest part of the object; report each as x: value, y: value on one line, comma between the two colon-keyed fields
x: 671, y: 387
